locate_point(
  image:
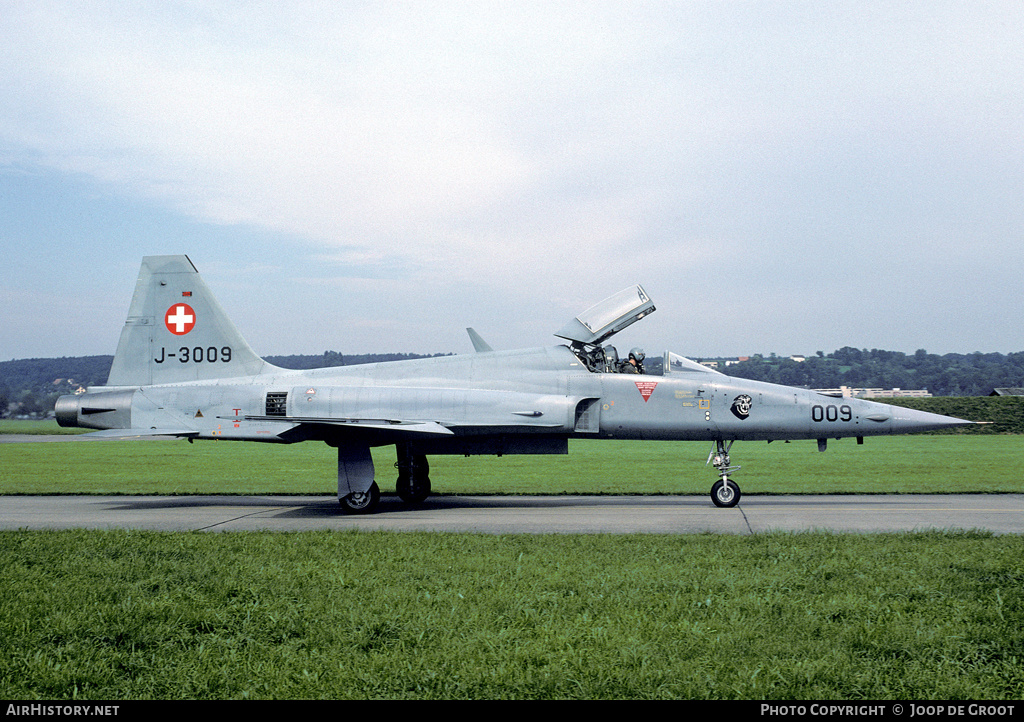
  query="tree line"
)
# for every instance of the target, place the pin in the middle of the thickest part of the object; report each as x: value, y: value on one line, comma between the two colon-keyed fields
x: 975, y: 374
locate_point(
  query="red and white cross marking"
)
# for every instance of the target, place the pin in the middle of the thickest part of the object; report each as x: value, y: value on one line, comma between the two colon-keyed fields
x: 180, y: 319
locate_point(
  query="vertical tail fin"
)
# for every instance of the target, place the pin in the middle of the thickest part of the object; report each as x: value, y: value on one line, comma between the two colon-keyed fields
x: 177, y: 331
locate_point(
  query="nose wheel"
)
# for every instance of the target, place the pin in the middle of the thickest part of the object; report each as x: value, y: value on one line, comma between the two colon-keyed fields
x: 724, y: 492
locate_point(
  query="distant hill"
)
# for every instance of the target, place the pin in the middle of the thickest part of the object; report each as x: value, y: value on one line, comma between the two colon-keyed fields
x: 30, y: 386
x: 975, y: 374
x: 53, y: 375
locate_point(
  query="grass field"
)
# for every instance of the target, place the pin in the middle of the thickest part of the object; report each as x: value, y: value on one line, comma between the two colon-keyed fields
x: 36, y: 428
x: 128, y: 615
x: 903, y: 464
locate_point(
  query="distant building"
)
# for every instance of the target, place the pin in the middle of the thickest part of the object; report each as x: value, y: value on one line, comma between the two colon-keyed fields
x: 849, y: 392
x: 70, y: 384
x: 1007, y: 392
x: 719, y: 362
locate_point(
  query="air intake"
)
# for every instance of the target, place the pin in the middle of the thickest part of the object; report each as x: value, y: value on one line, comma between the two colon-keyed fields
x: 277, y: 403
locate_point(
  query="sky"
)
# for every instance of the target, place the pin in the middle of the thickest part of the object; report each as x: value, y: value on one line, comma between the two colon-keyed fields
x: 373, y: 177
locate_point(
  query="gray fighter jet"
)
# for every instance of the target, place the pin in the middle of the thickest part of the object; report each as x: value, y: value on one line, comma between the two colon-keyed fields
x: 182, y: 369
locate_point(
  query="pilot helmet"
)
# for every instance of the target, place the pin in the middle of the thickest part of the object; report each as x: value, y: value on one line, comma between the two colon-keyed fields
x: 637, y: 353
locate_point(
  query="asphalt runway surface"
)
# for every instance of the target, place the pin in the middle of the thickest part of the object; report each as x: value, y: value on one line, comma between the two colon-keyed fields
x: 997, y: 513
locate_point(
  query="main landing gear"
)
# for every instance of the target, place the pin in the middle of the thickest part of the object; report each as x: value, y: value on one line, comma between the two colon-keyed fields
x: 413, y: 484
x: 724, y: 492
x: 358, y: 493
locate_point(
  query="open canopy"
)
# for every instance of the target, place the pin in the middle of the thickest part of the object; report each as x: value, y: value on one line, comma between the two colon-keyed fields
x: 607, y: 318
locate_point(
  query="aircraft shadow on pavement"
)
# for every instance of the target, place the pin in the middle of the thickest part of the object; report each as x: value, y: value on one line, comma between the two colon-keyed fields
x: 328, y: 506
x: 391, y: 505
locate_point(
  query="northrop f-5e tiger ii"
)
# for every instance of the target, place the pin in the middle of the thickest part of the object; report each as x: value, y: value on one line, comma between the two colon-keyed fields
x: 183, y: 369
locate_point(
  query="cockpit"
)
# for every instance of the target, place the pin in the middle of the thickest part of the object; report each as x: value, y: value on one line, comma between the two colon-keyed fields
x: 605, y: 360
x: 588, y: 332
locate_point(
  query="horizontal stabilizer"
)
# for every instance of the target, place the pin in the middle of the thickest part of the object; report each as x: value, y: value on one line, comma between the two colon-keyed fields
x: 114, y: 434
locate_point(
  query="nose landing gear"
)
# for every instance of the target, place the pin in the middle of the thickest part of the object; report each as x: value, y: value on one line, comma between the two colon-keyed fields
x: 724, y: 492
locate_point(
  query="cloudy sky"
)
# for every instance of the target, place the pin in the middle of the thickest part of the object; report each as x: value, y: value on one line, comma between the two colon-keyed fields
x: 367, y: 177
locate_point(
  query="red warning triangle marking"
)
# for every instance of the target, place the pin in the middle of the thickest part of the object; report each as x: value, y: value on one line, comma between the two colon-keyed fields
x: 646, y: 388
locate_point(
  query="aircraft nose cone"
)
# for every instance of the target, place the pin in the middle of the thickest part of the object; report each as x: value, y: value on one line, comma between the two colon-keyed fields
x: 905, y: 421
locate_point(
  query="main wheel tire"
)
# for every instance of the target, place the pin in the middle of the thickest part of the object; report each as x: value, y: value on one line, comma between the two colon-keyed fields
x: 725, y: 495
x: 412, y: 493
x: 361, y: 502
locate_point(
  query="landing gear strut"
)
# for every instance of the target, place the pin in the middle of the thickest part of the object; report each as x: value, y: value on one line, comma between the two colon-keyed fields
x: 413, y: 485
x: 357, y: 491
x: 724, y: 492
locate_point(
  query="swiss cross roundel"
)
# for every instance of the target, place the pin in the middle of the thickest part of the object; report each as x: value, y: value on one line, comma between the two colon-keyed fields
x: 180, y: 319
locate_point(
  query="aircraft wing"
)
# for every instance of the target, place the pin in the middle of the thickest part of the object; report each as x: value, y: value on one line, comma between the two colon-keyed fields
x: 479, y: 345
x: 433, y: 411
x: 416, y: 427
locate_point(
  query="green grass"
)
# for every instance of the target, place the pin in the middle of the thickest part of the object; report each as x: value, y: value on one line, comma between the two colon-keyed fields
x: 907, y: 464
x: 43, y: 427
x: 128, y: 615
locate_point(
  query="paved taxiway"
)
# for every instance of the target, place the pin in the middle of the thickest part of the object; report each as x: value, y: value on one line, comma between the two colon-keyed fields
x: 998, y: 513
